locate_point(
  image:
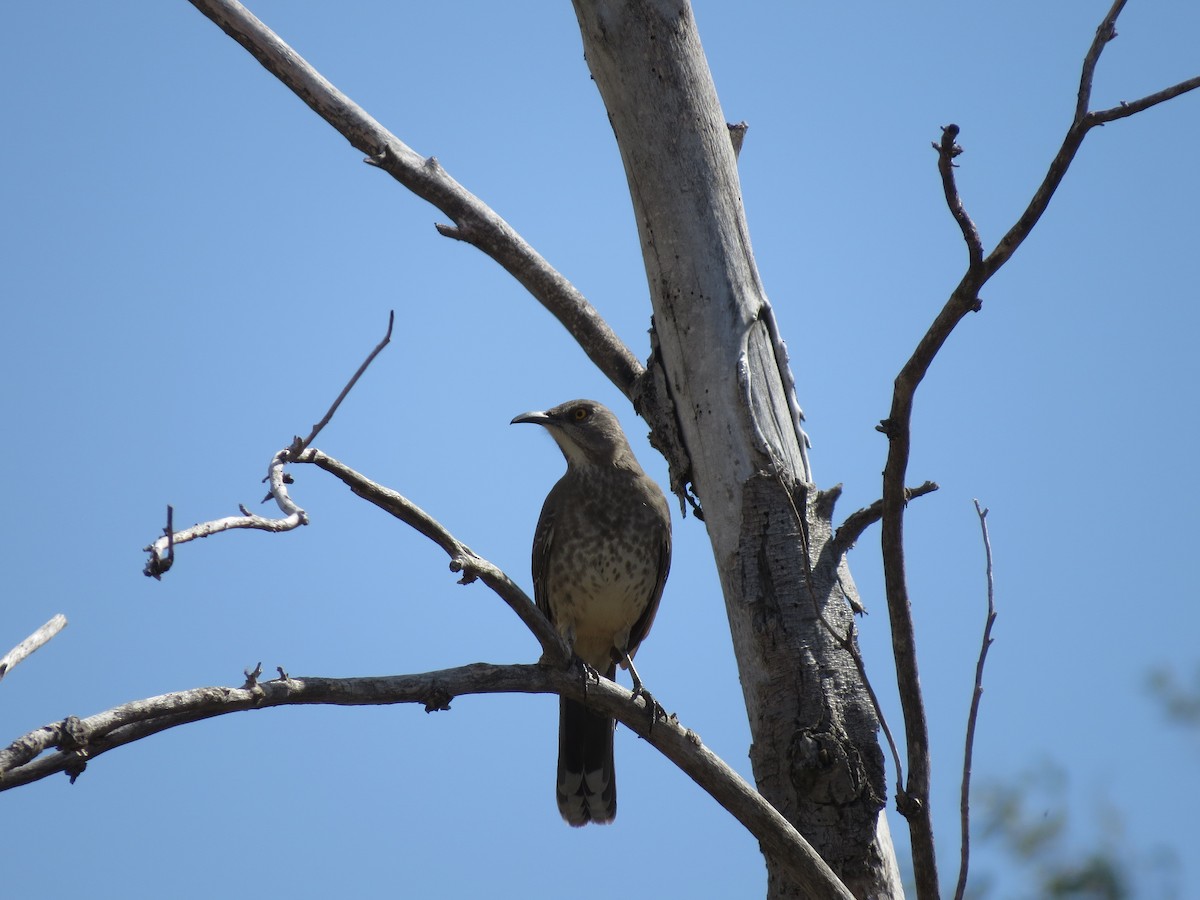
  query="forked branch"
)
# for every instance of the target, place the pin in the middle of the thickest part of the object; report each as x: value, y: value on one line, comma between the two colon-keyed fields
x: 162, y: 551
x: 914, y: 802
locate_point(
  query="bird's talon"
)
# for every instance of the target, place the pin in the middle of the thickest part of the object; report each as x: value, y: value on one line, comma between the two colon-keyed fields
x: 652, y: 706
x: 587, y: 674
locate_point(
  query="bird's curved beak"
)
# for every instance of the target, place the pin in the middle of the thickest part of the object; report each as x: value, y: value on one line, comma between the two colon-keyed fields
x: 537, y: 417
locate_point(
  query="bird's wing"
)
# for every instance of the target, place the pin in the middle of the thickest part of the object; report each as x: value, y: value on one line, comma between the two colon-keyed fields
x: 543, y: 538
x: 642, y: 626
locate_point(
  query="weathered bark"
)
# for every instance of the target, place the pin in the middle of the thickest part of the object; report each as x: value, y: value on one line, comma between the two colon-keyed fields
x: 816, y: 754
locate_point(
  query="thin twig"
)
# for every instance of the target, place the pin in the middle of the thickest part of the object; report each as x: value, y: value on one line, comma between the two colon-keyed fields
x: 462, y: 558
x: 1128, y: 108
x: 947, y: 150
x: 860, y: 520
x: 973, y: 716
x: 38, y: 639
x: 162, y: 550
x: 1105, y: 32
x: 1081, y: 124
x: 298, y: 445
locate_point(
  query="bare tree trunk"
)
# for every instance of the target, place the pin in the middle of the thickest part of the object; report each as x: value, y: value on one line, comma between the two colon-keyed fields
x: 815, y: 754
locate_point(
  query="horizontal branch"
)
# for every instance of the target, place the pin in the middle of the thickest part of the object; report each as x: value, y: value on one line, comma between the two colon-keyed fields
x: 462, y: 558
x: 1130, y: 107
x: 860, y: 520
x: 68, y: 745
x: 162, y: 550
x: 474, y: 221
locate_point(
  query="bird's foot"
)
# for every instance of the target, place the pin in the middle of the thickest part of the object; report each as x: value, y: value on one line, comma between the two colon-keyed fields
x: 639, y: 690
x: 652, y: 706
x: 587, y: 674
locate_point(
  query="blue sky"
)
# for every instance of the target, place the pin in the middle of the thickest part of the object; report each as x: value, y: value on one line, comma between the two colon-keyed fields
x: 193, y: 264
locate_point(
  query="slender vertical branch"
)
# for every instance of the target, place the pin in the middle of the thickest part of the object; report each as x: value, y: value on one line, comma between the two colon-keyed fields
x: 947, y: 150
x: 913, y: 803
x: 964, y: 805
x: 1105, y: 32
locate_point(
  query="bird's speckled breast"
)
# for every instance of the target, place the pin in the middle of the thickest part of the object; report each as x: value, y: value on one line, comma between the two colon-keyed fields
x: 603, y: 568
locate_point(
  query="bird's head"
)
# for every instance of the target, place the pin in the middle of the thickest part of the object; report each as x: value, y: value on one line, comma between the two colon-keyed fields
x: 586, y: 431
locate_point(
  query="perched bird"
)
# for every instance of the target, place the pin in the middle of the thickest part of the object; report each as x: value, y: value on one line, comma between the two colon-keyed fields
x: 601, y: 554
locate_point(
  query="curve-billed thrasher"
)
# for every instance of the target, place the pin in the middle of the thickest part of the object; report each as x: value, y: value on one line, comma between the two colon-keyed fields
x: 600, y: 557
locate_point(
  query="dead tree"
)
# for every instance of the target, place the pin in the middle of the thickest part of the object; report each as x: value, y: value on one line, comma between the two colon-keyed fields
x: 720, y: 399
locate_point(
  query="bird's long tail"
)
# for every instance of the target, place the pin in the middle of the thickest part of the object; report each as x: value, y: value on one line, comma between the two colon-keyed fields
x: 587, y: 783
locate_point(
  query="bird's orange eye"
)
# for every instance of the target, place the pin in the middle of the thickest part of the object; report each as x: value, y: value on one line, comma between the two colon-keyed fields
x: 580, y: 413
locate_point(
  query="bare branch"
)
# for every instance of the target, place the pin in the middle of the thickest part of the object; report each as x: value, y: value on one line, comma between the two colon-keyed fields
x: 35, y: 641
x: 947, y: 150
x: 973, y: 716
x: 1105, y: 32
x: 76, y: 741
x: 462, y: 558
x: 299, y: 445
x: 474, y: 221
x: 914, y: 802
x: 1128, y: 108
x: 860, y: 520
x: 1082, y: 123
x: 162, y: 551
